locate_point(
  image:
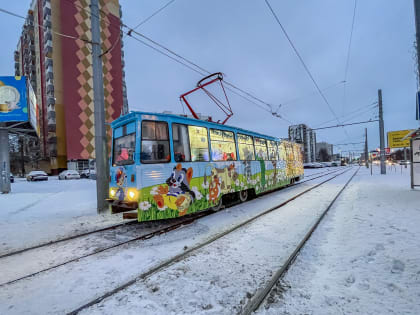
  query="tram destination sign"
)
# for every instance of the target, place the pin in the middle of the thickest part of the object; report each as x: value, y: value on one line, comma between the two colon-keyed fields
x: 395, y: 139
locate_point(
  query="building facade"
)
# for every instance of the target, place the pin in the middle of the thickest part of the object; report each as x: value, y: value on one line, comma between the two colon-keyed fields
x: 306, y: 136
x: 55, y: 54
x: 324, y: 146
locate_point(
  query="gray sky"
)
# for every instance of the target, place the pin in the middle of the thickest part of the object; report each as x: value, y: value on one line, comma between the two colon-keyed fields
x: 243, y: 40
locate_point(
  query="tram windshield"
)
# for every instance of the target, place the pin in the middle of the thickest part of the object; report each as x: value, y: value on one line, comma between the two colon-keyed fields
x: 124, y: 148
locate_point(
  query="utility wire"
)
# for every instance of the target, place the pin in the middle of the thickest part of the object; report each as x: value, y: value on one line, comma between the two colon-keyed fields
x: 153, y: 14
x: 302, y: 61
x: 43, y: 27
x: 341, y: 125
x: 351, y: 37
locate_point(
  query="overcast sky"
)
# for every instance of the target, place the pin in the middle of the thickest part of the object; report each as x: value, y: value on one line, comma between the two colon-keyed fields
x: 242, y: 39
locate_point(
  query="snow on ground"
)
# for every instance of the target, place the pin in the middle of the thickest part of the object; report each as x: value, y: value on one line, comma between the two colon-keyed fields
x: 39, y: 212
x: 364, y: 258
x: 67, y: 287
x: 42, y: 211
x: 221, y: 277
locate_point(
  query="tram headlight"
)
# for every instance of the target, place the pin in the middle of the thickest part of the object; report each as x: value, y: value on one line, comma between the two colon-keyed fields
x: 112, y: 192
x: 132, y: 194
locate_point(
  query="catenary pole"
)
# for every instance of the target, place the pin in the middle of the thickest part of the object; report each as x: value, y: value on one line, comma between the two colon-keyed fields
x: 4, y: 160
x: 417, y: 21
x: 366, y: 149
x: 101, y: 155
x: 381, y: 133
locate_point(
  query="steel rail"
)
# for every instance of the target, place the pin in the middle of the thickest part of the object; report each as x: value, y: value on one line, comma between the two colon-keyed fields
x: 255, y: 302
x: 187, y: 220
x: 187, y: 252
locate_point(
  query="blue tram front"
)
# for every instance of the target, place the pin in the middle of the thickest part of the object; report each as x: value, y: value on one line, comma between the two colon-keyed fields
x: 167, y: 166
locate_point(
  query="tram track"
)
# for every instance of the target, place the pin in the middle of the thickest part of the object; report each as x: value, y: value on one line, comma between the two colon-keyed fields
x: 187, y: 252
x: 131, y: 222
x: 255, y: 302
x: 169, y: 225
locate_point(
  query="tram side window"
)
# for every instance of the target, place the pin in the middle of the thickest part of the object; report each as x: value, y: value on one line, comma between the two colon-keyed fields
x: 199, y: 143
x: 261, y: 148
x: 124, y: 148
x: 282, y: 151
x: 272, y: 150
x: 181, y: 143
x: 154, y: 142
x: 223, y: 146
x: 246, y: 148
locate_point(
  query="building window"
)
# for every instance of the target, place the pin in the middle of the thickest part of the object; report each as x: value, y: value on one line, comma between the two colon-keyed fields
x: 181, y: 143
x: 246, y: 147
x: 261, y: 149
x: 272, y: 150
x: 199, y: 143
x: 223, y: 146
x: 154, y: 142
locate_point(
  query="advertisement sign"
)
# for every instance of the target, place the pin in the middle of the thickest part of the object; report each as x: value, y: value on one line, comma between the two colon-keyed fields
x: 13, y: 102
x: 33, y: 109
x: 395, y: 139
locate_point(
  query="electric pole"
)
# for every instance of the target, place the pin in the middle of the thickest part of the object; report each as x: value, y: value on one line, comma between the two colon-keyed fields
x: 4, y: 160
x: 417, y: 20
x: 101, y: 155
x: 366, y: 150
x: 381, y: 133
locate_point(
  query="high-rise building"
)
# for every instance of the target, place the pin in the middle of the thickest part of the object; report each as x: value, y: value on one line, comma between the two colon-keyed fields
x: 55, y: 54
x: 323, y: 146
x: 307, y: 137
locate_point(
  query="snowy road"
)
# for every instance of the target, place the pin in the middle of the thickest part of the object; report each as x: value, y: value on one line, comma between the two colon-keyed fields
x: 65, y: 288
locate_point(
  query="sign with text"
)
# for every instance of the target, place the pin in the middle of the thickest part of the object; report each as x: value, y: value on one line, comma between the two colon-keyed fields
x: 395, y: 139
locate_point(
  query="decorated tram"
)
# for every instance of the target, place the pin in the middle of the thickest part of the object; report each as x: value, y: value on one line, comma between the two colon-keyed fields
x: 167, y: 166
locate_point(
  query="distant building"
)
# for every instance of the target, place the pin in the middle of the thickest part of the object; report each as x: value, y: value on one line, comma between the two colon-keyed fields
x: 59, y: 68
x: 307, y: 137
x: 323, y: 146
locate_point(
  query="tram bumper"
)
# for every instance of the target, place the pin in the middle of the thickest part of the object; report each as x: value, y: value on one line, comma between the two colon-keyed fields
x: 118, y: 206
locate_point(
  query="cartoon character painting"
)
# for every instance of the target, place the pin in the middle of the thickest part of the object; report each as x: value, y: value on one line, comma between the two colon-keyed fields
x: 120, y: 178
x: 177, y: 195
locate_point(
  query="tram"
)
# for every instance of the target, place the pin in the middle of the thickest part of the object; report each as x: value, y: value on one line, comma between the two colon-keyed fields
x: 166, y: 166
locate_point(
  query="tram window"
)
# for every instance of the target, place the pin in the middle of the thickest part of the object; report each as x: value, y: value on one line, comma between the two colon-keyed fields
x: 154, y: 142
x: 246, y: 148
x: 199, y: 143
x: 261, y: 148
x: 181, y: 143
x: 272, y: 150
x: 282, y: 151
x: 223, y: 146
x: 124, y: 148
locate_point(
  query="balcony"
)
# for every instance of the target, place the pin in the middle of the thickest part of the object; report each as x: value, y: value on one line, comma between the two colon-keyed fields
x: 50, y: 89
x: 46, y: 11
x: 48, y: 36
x: 51, y: 127
x: 47, y: 26
x: 48, y: 51
x: 50, y: 101
x: 48, y: 62
x: 49, y: 76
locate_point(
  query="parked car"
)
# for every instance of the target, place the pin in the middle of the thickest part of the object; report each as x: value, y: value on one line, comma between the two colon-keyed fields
x: 69, y: 174
x: 84, y: 173
x: 36, y: 175
x: 335, y: 163
x: 12, y: 178
x: 405, y: 162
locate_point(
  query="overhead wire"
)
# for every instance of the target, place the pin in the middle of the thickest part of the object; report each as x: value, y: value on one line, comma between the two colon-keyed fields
x: 193, y: 64
x: 50, y: 28
x: 301, y: 60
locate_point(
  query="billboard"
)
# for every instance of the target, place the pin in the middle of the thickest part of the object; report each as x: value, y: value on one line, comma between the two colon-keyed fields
x: 13, y: 101
x: 395, y: 139
x: 33, y: 109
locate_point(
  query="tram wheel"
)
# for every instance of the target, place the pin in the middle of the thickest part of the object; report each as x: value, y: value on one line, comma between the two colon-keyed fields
x: 243, y: 195
x: 218, y: 206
